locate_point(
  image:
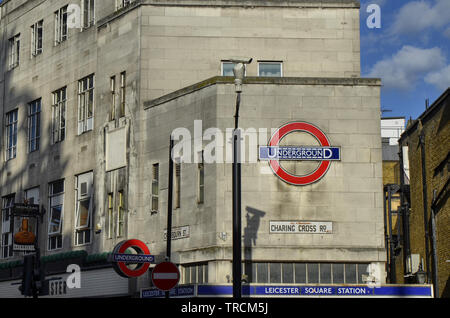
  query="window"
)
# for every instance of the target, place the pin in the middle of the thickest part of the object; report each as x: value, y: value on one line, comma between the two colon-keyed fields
x: 14, y: 51
x: 34, y: 125
x: 195, y: 274
x: 155, y: 188
x: 61, y: 29
x: 11, y: 134
x: 85, y: 104
x: 123, y: 78
x: 112, y: 83
x: 305, y: 273
x: 32, y: 196
x: 59, y: 115
x: 6, y: 239
x: 84, y: 197
x: 120, y: 4
x: 177, y: 185
x: 227, y: 68
x: 88, y: 13
x: 36, y: 38
x: 55, y: 216
x: 201, y: 179
x: 121, y: 215
x: 110, y: 215
x: 270, y: 69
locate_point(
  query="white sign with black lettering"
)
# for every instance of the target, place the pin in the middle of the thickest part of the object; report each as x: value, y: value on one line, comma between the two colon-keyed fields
x: 23, y: 248
x: 300, y: 227
x: 178, y: 233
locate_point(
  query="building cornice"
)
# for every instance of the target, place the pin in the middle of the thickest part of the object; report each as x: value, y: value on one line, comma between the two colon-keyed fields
x: 333, y: 81
x: 259, y: 3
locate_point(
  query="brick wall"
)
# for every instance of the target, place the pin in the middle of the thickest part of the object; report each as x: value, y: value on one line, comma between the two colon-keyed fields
x: 436, y: 129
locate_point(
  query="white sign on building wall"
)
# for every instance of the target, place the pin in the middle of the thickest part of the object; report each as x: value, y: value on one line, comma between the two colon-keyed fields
x: 300, y: 227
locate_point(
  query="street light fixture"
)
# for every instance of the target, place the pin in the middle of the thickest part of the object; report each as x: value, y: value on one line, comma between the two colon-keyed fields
x: 421, y: 276
x: 239, y: 74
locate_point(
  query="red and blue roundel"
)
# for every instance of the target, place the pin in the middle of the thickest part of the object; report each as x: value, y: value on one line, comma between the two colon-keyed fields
x: 323, y: 153
x: 121, y: 259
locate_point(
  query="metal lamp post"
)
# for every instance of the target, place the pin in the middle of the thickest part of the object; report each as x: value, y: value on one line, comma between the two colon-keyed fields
x: 239, y: 74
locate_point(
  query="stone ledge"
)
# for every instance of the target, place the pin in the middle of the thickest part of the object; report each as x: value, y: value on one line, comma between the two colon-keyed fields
x: 259, y: 3
x: 264, y: 80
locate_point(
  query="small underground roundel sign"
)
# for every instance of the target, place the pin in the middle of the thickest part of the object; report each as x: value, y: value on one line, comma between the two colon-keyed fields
x: 128, y: 264
x: 322, y: 153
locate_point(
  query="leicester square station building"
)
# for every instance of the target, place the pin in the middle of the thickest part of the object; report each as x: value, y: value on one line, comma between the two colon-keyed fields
x: 89, y: 106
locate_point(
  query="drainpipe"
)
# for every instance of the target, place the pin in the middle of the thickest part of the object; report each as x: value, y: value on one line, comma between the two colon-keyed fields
x: 434, y: 259
x: 404, y: 213
x: 386, y: 237
x: 392, y: 276
x: 425, y: 199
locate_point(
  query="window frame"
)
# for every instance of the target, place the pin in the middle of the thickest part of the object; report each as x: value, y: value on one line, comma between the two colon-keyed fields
x: 84, y: 231
x: 37, y: 38
x: 222, y: 69
x: 89, y: 12
x: 7, y: 203
x: 123, y: 85
x: 267, y: 63
x: 112, y: 87
x: 34, y: 125
x: 355, y: 273
x: 85, y: 93
x: 14, y: 51
x: 155, y: 183
x: 121, y: 214
x: 120, y: 4
x: 56, y: 235
x: 11, y: 134
x: 61, y: 27
x: 59, y: 103
x: 110, y: 215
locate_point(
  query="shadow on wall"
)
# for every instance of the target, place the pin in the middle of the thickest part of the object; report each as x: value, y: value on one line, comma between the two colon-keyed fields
x: 253, y: 217
x: 28, y: 170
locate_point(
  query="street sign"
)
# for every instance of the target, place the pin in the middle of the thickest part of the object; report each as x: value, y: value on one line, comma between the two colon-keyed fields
x: 22, y: 209
x: 300, y: 227
x: 324, y: 154
x: 121, y: 260
x: 165, y: 276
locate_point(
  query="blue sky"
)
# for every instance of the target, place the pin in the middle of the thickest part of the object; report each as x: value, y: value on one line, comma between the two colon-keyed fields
x: 410, y: 53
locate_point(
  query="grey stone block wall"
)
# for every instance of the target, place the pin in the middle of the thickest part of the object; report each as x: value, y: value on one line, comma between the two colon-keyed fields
x: 349, y: 195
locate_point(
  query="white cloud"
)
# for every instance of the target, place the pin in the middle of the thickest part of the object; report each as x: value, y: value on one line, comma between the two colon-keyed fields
x: 440, y: 78
x: 405, y: 68
x: 417, y: 16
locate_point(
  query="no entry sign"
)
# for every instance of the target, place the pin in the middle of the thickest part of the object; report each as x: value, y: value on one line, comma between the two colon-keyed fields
x: 165, y: 276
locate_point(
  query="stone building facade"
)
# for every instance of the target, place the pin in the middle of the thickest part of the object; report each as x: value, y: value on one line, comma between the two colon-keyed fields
x: 88, y: 106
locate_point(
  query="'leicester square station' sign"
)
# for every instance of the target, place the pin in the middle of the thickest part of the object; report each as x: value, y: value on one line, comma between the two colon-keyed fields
x: 324, y: 153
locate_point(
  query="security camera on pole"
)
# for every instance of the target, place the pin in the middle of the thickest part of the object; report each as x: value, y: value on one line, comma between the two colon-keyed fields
x: 239, y: 74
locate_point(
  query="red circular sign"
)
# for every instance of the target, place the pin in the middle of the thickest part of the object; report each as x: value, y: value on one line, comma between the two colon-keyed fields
x: 291, y: 178
x: 165, y: 276
x: 122, y: 268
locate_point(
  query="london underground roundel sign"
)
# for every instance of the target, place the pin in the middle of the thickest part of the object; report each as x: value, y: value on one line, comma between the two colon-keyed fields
x: 274, y: 153
x: 124, y: 262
